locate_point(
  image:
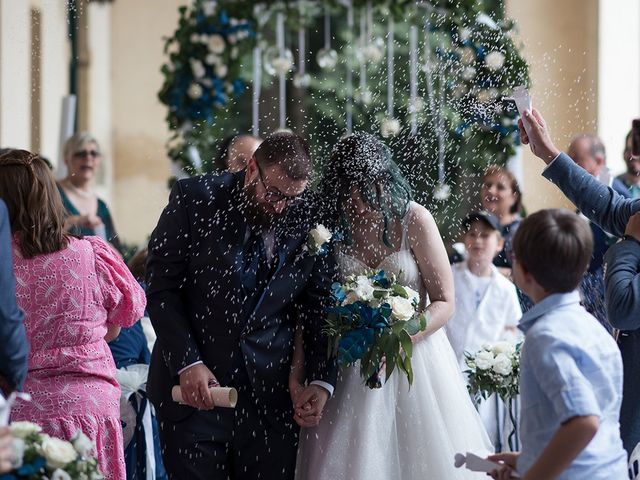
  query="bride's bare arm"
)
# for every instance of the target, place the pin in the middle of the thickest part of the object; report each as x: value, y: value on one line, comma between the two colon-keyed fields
x: 430, y: 254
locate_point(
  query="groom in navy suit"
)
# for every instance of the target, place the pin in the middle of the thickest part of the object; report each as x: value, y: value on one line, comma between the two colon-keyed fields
x: 229, y: 280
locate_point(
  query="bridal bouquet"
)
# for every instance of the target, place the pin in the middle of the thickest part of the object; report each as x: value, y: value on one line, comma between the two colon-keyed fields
x: 372, y: 321
x: 494, y: 369
x: 38, y: 456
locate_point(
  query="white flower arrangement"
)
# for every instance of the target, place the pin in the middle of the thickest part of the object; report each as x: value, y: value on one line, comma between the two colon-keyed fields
x: 495, y: 368
x: 37, y: 455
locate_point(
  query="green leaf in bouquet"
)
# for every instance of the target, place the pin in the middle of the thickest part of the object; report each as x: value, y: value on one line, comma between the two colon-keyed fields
x: 379, y: 294
x: 400, y: 291
x: 407, y: 344
x: 406, y: 364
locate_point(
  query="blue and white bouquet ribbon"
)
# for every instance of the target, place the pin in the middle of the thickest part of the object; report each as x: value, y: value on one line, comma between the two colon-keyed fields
x: 372, y: 321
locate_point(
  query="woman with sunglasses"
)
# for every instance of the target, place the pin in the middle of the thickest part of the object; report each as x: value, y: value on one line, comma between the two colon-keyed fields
x: 87, y: 214
x: 76, y: 294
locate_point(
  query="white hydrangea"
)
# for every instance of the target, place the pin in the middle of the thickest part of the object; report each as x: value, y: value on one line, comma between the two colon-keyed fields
x: 221, y: 70
x: 364, y: 288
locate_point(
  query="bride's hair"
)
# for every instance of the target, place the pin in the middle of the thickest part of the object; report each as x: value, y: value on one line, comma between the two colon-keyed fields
x: 363, y: 161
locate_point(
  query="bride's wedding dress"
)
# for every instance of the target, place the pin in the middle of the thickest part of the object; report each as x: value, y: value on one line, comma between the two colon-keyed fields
x: 396, y: 432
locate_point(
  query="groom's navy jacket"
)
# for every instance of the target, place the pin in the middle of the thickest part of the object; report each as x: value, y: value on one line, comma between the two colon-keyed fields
x: 199, y: 308
x: 611, y: 211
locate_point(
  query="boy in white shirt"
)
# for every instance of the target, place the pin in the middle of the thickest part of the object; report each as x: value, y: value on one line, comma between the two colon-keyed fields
x: 487, y: 306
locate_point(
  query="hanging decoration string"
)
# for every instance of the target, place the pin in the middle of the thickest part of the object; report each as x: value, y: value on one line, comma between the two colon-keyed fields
x: 390, y: 67
x: 327, y: 28
x: 363, y: 43
x: 413, y: 78
x: 302, y: 49
x: 350, y: 23
x: 257, y: 85
x: 440, y: 129
x: 282, y: 86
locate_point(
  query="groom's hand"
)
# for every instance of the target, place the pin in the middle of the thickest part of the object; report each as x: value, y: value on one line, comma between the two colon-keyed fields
x: 309, y: 405
x: 194, y: 383
x: 537, y: 136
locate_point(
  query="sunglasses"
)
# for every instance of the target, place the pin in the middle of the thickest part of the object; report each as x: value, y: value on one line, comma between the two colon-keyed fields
x: 86, y: 153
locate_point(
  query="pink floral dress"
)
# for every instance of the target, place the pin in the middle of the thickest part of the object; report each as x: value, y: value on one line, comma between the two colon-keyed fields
x: 69, y: 298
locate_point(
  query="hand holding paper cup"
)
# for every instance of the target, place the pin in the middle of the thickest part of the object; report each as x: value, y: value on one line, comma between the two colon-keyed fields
x: 226, y: 397
x: 478, y: 464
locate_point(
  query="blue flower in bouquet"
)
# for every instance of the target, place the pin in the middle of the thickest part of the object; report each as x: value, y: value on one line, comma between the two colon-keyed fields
x: 381, y: 279
x: 354, y: 344
x: 29, y: 469
x: 372, y: 318
x: 338, y: 293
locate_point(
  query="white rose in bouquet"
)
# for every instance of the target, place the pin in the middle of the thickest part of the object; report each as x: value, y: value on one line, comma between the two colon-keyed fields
x: 60, y: 475
x: 507, y: 348
x: 401, y: 308
x: 24, y: 429
x: 484, y: 360
x: 502, y: 364
x: 58, y: 453
x: 83, y: 444
x: 494, y: 60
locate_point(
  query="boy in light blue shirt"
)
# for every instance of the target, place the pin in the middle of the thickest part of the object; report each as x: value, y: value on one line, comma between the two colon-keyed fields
x: 570, y: 368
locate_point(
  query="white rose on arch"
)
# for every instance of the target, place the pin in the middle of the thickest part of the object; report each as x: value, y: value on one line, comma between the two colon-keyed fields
x: 216, y: 44
x: 389, y: 127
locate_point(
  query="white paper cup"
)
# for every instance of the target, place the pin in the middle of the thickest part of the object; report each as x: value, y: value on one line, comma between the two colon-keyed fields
x: 226, y: 397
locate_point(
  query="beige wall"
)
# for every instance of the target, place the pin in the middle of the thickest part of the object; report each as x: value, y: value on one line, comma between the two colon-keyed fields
x: 561, y: 45
x: 141, y: 167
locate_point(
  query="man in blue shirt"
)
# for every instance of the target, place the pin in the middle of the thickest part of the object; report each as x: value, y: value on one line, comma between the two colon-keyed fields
x: 570, y: 368
x: 14, y: 348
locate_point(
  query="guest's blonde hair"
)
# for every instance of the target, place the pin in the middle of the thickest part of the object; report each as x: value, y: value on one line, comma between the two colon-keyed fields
x: 76, y: 142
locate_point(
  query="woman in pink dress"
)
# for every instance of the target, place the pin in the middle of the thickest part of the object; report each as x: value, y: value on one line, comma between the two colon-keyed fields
x: 74, y: 292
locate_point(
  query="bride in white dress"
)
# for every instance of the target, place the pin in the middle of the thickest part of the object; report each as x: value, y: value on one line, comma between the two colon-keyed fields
x: 394, y: 432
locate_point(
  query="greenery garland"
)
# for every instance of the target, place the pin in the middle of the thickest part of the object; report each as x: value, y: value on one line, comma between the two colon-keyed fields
x: 474, y: 60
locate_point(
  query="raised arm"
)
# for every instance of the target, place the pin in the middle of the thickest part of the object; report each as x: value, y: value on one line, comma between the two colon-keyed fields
x: 429, y: 251
x: 601, y: 204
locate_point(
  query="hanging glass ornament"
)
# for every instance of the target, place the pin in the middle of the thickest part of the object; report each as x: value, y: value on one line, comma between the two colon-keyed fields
x: 277, y: 62
x: 327, y: 58
x: 301, y: 80
x: 442, y: 192
x: 374, y: 51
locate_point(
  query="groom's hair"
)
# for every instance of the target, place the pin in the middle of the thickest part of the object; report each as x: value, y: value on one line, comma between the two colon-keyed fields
x: 287, y: 150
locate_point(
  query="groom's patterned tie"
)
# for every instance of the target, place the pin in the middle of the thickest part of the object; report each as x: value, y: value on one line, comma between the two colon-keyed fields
x: 255, y: 271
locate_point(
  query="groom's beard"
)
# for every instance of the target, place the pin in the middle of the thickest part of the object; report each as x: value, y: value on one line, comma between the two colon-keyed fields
x: 259, y: 215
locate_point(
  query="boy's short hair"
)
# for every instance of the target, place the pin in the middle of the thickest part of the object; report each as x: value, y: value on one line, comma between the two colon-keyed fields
x: 555, y: 247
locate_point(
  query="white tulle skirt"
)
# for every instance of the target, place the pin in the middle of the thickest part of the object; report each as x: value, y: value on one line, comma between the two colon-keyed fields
x: 395, y: 432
